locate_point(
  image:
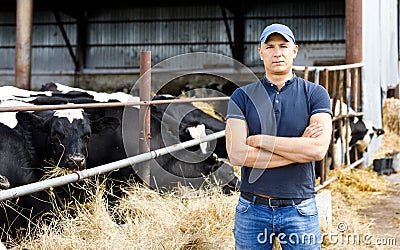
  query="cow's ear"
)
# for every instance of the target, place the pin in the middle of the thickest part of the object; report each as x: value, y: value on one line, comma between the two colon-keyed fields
x: 29, y: 120
x: 105, y: 125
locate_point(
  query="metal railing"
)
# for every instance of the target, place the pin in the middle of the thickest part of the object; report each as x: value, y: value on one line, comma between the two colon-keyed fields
x: 90, y: 172
x: 335, y: 88
x: 343, y: 82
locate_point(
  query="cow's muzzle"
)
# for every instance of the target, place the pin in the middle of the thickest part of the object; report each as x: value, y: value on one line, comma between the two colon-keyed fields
x: 76, y: 161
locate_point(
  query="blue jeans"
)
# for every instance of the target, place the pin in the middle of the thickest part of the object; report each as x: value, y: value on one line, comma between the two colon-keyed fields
x: 296, y: 226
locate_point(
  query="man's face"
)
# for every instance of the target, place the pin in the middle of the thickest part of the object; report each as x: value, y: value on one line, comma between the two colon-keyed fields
x: 277, y: 54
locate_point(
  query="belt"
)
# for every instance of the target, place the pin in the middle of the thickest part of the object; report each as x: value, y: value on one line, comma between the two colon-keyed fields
x: 271, y: 202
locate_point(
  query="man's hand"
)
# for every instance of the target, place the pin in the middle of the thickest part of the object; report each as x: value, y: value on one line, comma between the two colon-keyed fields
x: 254, y: 141
x: 313, y: 130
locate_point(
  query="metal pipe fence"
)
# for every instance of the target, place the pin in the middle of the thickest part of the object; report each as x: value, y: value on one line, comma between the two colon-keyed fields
x: 109, y: 105
x: 58, y: 181
x: 90, y: 172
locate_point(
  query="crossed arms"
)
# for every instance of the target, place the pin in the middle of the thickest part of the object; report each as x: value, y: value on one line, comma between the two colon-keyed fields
x: 266, y: 151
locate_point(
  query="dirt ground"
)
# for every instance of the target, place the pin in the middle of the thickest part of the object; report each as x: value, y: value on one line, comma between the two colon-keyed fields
x: 383, y: 215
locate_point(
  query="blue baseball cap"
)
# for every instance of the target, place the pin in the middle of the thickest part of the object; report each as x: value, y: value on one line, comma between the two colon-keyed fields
x: 277, y: 28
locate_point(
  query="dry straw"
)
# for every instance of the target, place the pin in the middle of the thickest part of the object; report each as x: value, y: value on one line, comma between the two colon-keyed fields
x: 391, y: 125
x: 185, y: 219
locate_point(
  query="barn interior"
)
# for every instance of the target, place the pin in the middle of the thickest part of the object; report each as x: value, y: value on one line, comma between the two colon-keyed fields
x: 96, y: 46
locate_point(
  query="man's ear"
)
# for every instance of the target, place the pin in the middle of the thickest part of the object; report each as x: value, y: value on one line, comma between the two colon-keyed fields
x: 296, y: 49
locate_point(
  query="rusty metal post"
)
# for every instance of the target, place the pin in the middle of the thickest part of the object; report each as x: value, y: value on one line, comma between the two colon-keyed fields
x: 144, y: 113
x: 353, y: 31
x: 23, y: 45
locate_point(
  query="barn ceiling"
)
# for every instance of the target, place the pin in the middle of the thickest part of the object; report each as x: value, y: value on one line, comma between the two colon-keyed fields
x: 75, y: 8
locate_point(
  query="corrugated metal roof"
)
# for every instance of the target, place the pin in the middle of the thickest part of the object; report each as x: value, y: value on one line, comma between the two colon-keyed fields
x: 293, y: 8
x: 129, y: 56
x: 316, y: 21
x: 116, y: 36
x: 157, y: 13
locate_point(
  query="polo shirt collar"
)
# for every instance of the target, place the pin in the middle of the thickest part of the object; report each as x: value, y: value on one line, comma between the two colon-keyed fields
x: 267, y: 83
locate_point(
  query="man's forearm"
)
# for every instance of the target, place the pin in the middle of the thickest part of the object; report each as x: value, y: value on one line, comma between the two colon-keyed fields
x: 311, y: 146
x: 274, y: 160
x: 299, y: 149
x: 258, y: 158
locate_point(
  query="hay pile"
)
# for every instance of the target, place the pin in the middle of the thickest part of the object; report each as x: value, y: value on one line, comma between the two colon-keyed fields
x: 357, y: 184
x: 144, y: 219
x: 391, y: 115
x: 352, y: 191
x: 391, y: 125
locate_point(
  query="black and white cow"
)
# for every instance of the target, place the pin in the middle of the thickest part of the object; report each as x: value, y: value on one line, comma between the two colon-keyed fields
x: 186, y: 166
x: 59, y: 138
x: 186, y: 117
x: 56, y: 138
x: 166, y: 170
x: 360, y: 133
x: 18, y: 168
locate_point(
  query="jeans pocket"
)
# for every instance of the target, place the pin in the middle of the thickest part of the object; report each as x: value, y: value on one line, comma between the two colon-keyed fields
x: 307, y: 207
x: 242, y: 206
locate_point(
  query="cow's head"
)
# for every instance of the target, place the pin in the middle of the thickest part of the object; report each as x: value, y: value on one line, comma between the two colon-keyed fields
x: 364, y: 131
x: 66, y: 134
x: 360, y: 134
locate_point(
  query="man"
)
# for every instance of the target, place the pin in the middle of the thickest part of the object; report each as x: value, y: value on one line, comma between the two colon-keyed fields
x: 276, y: 128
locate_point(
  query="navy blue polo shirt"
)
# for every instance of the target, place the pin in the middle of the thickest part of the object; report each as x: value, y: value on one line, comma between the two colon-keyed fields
x: 285, y: 113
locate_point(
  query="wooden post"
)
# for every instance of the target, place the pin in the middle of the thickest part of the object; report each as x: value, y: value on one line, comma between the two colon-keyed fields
x: 144, y: 113
x: 23, y: 45
x: 326, y: 84
x: 306, y: 73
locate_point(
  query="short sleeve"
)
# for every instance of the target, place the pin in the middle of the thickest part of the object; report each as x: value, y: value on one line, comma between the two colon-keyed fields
x: 236, y: 105
x: 320, y: 101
